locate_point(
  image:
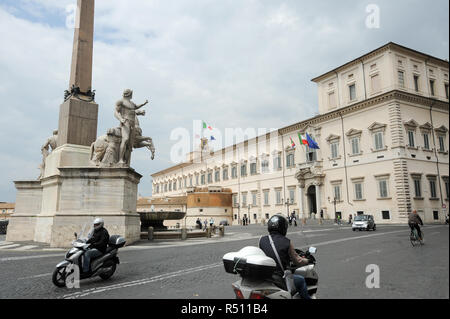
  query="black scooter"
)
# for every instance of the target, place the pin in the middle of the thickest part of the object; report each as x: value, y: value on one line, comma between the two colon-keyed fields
x: 103, y: 266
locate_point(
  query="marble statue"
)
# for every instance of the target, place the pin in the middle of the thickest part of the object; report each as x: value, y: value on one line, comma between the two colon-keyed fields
x: 50, y: 143
x: 105, y: 150
x: 114, y: 148
x: 126, y: 113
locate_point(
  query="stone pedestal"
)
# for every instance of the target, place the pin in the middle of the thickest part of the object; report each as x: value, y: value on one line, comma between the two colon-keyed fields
x: 28, y: 205
x: 67, y: 155
x: 53, y: 209
x: 77, y: 122
x: 85, y: 193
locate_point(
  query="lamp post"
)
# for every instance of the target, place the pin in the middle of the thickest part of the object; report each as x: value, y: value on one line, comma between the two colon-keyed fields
x: 238, y: 206
x: 287, y: 205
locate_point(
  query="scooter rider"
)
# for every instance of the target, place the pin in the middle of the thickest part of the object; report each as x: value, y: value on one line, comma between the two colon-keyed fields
x: 99, y: 242
x: 277, y: 227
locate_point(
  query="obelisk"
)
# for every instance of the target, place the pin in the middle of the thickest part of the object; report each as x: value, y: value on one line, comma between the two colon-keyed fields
x: 78, y: 114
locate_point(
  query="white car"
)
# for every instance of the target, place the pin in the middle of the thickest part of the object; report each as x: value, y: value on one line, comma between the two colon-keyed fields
x: 364, y: 222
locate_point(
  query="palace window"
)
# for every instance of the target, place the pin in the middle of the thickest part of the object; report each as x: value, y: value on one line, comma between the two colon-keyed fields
x: 352, y: 92
x: 278, y: 196
x: 203, y: 179
x: 426, y: 141
x: 355, y: 146
x: 433, y: 193
x: 334, y: 150
x: 416, y: 83
x: 411, y: 138
x: 209, y: 178
x: 244, y: 199
x: 401, y: 78
x: 217, y: 176
x: 432, y: 87
x: 225, y: 174
x: 244, y: 170
x: 266, y: 197
x: 234, y: 172
x: 383, y: 188
x: 378, y: 141
x: 290, y: 159
x: 277, y: 162
x: 337, y: 192
x: 265, y: 166
x: 417, y: 187
x: 254, y: 199
x: 291, y: 195
x: 441, y: 139
x: 358, y: 186
x: 253, y: 169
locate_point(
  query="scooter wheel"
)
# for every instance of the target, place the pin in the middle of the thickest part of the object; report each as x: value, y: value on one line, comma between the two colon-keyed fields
x: 59, y: 277
x: 108, y: 274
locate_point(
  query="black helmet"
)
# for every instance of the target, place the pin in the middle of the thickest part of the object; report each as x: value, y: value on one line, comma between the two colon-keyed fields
x: 278, y: 223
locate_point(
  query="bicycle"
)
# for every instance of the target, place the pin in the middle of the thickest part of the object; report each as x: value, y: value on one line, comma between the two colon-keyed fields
x: 414, y: 238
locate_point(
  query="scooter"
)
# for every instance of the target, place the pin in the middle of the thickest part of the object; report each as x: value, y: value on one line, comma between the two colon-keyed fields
x: 259, y: 279
x: 103, y: 266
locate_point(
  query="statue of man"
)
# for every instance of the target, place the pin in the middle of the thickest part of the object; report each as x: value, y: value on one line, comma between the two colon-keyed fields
x: 126, y: 114
x: 51, y: 142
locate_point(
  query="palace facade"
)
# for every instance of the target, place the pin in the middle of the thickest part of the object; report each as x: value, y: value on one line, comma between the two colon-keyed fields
x: 382, y: 130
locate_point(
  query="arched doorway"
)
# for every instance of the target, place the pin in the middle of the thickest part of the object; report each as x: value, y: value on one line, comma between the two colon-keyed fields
x: 311, y: 195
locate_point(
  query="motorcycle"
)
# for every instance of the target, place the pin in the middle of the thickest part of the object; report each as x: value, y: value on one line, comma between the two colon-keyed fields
x: 259, y: 279
x: 103, y: 266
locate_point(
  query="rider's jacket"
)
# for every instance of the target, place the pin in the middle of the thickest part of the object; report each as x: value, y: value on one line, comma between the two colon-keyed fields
x: 282, y: 244
x: 99, y: 239
x: 414, y: 219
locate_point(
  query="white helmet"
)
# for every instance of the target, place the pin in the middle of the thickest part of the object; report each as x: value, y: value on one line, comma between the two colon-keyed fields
x: 98, y: 223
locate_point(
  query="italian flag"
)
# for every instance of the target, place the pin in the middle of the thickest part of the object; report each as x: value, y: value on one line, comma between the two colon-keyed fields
x: 292, y: 142
x: 302, y: 139
x: 206, y: 126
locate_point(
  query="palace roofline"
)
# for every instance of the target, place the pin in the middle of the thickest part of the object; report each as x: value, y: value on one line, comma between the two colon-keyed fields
x: 390, y: 45
x: 393, y: 94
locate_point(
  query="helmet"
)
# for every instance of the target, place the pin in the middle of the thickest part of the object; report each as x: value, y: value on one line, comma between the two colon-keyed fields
x: 98, y: 223
x: 278, y: 223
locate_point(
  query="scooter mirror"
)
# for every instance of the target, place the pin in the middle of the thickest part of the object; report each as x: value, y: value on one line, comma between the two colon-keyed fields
x: 312, y: 250
x: 76, y: 235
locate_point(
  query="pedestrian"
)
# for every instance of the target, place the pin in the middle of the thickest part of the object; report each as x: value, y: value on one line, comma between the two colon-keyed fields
x: 350, y: 219
x: 205, y: 223
x: 339, y: 220
x: 321, y: 213
x: 211, y: 222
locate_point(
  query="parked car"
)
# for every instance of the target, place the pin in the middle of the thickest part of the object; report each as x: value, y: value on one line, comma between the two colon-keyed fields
x: 224, y: 222
x: 364, y: 222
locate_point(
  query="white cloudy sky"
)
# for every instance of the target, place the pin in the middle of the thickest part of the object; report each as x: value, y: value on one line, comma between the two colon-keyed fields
x: 232, y: 63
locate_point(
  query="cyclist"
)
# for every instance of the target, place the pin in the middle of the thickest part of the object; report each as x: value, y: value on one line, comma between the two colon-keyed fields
x: 413, y: 221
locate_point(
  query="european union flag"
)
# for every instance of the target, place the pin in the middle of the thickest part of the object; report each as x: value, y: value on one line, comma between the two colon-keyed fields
x: 311, y: 143
x: 212, y: 138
